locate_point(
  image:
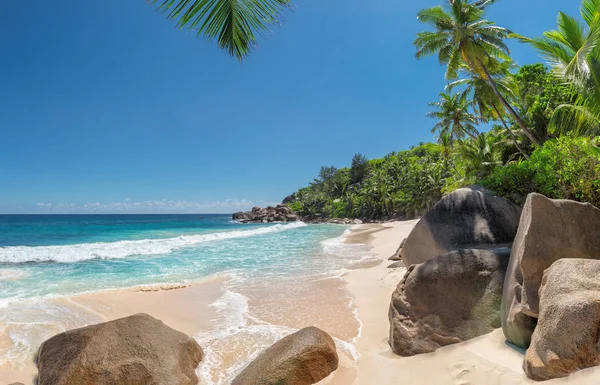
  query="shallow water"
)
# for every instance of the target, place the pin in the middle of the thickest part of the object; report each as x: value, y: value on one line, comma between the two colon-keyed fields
x: 277, y: 278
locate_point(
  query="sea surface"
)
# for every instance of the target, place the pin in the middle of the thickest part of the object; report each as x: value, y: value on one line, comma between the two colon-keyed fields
x: 45, y: 257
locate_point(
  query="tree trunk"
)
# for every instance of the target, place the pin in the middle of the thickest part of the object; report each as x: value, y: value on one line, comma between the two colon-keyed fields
x: 512, y: 134
x: 508, y: 107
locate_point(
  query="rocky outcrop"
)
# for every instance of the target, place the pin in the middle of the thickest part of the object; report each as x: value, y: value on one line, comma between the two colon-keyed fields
x: 447, y: 299
x: 303, y: 358
x: 566, y: 337
x: 337, y: 221
x: 549, y: 230
x: 468, y: 218
x: 397, y: 254
x: 133, y: 350
x: 281, y: 213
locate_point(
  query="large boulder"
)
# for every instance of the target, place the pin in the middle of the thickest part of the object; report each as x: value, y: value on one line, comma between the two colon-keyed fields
x: 303, y: 358
x: 549, y: 230
x: 566, y: 337
x: 468, y: 218
x: 448, y: 299
x: 135, y: 350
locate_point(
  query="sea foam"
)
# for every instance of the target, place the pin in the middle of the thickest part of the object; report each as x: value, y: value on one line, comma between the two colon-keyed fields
x: 123, y: 249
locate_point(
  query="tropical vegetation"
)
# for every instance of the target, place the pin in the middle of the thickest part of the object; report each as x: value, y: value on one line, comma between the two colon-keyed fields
x: 513, y: 130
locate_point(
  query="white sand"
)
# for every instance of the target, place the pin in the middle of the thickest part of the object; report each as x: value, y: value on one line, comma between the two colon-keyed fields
x: 483, y: 360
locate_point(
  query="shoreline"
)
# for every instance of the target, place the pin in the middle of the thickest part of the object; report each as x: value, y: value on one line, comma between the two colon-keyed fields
x: 232, y: 319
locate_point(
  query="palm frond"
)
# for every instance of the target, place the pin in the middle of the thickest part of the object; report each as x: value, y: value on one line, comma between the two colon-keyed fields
x: 233, y: 23
x: 590, y: 11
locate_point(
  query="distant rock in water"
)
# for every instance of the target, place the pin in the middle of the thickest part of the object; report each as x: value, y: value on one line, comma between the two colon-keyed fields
x: 303, y: 358
x: 134, y: 350
x: 281, y: 213
x: 468, y: 218
x: 448, y: 299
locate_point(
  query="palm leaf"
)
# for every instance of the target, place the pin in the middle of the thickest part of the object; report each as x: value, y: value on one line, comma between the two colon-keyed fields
x: 233, y: 23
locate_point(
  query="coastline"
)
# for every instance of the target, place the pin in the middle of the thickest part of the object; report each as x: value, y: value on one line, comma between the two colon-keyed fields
x: 233, y: 318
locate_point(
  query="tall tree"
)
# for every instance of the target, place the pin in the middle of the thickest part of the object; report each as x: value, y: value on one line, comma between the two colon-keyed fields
x: 462, y: 36
x: 359, y: 169
x: 483, y: 98
x: 233, y: 23
x: 454, y: 117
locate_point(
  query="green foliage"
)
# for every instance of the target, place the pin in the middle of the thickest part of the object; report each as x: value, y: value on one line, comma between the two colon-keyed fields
x: 404, y: 184
x: 564, y: 168
x: 540, y: 93
x: 573, y: 52
x: 359, y: 169
x: 454, y: 117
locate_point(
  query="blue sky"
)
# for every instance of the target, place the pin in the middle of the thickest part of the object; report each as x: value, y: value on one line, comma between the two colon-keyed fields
x: 106, y: 107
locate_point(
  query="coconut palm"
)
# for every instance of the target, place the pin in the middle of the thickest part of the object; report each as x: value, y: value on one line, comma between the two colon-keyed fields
x: 454, y: 117
x: 481, y: 155
x: 483, y: 98
x: 233, y: 23
x: 573, y: 52
x: 462, y: 36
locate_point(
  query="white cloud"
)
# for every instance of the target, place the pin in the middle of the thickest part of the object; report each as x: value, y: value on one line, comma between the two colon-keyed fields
x: 128, y: 206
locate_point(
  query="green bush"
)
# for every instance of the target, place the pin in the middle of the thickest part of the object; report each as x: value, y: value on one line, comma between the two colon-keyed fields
x: 564, y: 168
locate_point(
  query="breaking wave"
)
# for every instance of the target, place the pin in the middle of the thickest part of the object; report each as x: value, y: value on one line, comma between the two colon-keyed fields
x: 122, y: 249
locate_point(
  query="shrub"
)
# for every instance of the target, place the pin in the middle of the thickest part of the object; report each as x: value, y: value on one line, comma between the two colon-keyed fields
x: 564, y: 168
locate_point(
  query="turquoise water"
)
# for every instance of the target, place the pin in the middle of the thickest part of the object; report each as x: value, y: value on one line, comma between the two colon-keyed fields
x: 44, y: 259
x: 66, y: 255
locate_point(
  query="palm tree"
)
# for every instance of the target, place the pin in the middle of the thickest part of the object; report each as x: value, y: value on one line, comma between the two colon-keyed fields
x: 481, y: 155
x: 234, y: 23
x: 455, y: 120
x: 462, y: 36
x: 483, y: 97
x: 573, y: 52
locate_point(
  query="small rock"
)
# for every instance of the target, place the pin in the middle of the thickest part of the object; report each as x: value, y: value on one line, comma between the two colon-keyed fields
x: 303, y: 358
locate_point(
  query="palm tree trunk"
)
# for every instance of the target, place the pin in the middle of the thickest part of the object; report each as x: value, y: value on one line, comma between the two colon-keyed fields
x: 512, y: 134
x: 508, y: 107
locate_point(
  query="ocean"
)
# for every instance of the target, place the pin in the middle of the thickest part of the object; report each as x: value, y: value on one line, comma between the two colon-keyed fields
x: 47, y: 259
